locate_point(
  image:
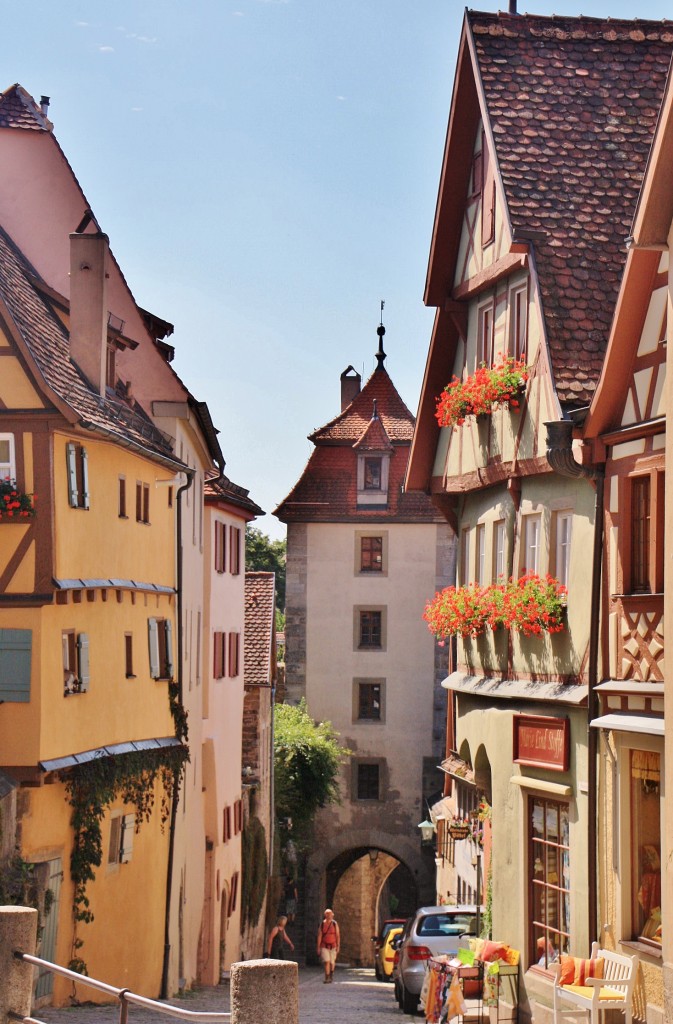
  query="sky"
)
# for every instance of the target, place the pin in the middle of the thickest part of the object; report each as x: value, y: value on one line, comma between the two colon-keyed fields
x: 267, y: 173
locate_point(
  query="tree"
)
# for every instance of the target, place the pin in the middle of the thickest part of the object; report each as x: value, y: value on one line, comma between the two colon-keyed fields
x: 265, y: 555
x: 307, y: 758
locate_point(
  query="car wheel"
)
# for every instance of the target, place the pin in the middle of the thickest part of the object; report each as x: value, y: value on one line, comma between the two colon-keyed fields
x: 377, y: 972
x: 398, y: 993
x: 409, y: 1002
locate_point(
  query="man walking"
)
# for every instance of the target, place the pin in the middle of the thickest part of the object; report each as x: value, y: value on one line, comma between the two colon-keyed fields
x: 328, y: 943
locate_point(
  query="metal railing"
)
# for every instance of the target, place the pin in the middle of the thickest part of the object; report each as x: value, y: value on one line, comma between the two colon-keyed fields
x: 123, y: 995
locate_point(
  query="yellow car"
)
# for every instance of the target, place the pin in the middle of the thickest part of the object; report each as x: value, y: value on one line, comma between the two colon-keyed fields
x: 388, y: 953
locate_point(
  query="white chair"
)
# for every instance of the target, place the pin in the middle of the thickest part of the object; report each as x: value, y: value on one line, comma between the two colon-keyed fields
x: 614, y: 991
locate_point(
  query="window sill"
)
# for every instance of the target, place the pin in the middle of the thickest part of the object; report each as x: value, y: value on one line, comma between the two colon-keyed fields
x: 131, y: 675
x: 122, y: 517
x: 643, y: 948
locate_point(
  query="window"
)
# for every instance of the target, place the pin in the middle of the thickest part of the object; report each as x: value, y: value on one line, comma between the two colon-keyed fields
x: 122, y: 498
x: 499, y: 557
x: 110, y: 366
x: 234, y: 550
x: 220, y: 546
x: 15, y: 655
x: 233, y: 893
x: 485, y: 334
x: 7, y: 458
x: 373, y: 476
x: 219, y: 655
x: 644, y: 537
x: 160, y: 633
x: 531, y: 543
x: 487, y: 195
x: 370, y: 629
x: 645, y: 846
x: 371, y: 554
x: 122, y: 829
x: 477, y: 181
x: 368, y: 780
x: 518, y: 321
x: 548, y: 879
x: 78, y: 475
x: 142, y: 502
x: 464, y: 557
x: 640, y: 535
x: 563, y: 522
x: 369, y: 696
x: 481, y: 554
x: 128, y: 655
x: 226, y: 824
x: 234, y: 648
x: 75, y: 653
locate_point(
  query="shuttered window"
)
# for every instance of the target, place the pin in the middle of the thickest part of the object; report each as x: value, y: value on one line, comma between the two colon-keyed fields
x: 78, y: 475
x: 75, y: 653
x: 160, y: 640
x: 234, y: 640
x: 15, y: 654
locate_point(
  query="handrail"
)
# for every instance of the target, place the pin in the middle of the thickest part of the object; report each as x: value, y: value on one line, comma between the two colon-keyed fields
x: 124, y: 995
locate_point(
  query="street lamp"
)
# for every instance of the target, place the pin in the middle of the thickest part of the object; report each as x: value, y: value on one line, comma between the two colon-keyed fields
x: 427, y: 831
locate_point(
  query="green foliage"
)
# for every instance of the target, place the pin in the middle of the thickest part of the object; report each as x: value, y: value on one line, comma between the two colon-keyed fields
x: 307, y: 758
x: 18, y: 885
x: 265, y: 555
x: 487, y: 916
x: 255, y: 870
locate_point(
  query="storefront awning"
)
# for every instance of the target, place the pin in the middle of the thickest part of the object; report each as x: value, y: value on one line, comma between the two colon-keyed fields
x: 651, y: 725
x: 454, y: 766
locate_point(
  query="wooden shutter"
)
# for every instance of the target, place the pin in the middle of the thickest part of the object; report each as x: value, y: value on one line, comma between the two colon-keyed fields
x: 153, y: 641
x: 487, y: 196
x: 71, y: 459
x: 84, y: 496
x: 128, y: 830
x: 168, y: 634
x: 83, y: 661
x: 115, y: 840
x: 15, y: 653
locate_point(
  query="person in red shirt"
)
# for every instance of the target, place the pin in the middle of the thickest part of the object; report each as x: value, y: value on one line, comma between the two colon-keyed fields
x: 328, y: 943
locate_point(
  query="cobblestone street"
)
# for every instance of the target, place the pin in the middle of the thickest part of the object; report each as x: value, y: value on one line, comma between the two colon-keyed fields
x: 354, y: 998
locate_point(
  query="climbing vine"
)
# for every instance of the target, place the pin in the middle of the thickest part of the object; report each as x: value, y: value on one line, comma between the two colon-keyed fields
x: 255, y: 871
x: 132, y: 777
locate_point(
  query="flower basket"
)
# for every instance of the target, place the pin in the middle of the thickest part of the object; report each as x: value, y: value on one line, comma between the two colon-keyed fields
x: 15, y: 504
x: 531, y: 605
x: 500, y: 384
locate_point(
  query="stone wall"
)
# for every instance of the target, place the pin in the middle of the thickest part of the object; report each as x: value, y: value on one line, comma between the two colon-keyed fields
x: 295, y: 605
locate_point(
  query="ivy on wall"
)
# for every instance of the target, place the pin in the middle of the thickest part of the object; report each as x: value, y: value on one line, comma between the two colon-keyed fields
x: 255, y: 871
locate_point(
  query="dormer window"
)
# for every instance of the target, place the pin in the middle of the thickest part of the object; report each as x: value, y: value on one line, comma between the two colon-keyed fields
x: 373, y: 474
x: 373, y: 479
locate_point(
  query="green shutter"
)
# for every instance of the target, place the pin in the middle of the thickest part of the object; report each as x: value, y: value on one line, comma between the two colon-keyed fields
x: 15, y: 650
x: 83, y: 661
x: 168, y: 627
x: 153, y: 640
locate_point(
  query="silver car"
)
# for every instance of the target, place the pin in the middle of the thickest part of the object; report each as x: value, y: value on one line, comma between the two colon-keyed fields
x: 433, y: 931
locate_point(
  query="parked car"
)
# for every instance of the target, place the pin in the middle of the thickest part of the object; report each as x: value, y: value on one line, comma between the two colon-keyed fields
x: 399, y: 942
x: 388, y: 952
x: 378, y: 940
x: 433, y: 931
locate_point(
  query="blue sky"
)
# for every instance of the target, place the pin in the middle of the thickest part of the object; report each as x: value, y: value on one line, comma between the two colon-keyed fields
x: 267, y: 172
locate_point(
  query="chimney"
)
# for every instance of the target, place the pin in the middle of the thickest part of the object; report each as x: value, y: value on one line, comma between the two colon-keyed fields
x: 350, y: 386
x: 512, y: 7
x: 44, y: 105
x: 88, y: 306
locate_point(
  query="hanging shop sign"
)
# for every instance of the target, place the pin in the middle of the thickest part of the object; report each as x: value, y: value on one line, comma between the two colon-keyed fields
x: 542, y: 742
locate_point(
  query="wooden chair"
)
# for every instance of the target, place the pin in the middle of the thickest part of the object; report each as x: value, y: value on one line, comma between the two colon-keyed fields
x: 614, y: 991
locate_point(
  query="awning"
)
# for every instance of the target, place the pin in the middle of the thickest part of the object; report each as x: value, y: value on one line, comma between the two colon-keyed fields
x: 650, y: 725
x: 114, y: 749
x: 454, y: 766
x: 517, y: 689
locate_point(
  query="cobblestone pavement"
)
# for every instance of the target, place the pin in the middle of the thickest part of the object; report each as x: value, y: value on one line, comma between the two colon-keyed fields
x: 354, y: 998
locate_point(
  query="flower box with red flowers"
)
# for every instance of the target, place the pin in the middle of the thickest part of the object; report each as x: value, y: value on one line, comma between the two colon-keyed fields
x: 500, y: 384
x: 530, y: 605
x: 15, y: 505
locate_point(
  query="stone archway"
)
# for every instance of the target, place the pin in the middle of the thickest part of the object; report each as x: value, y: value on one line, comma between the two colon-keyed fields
x: 351, y: 874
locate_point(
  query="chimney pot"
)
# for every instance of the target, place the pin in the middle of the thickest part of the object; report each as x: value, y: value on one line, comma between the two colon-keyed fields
x: 44, y: 104
x: 350, y: 386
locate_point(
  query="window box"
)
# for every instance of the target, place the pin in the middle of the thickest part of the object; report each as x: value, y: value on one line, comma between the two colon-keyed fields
x: 500, y: 384
x: 15, y: 505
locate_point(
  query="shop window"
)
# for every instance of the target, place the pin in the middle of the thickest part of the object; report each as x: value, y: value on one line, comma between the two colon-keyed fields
x: 7, y: 457
x: 548, y: 879
x: 645, y: 779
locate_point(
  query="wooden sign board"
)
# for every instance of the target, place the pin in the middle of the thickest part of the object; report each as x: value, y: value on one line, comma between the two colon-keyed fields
x: 542, y: 742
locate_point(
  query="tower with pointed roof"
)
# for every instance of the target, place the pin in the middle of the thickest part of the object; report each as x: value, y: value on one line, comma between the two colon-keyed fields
x: 363, y: 556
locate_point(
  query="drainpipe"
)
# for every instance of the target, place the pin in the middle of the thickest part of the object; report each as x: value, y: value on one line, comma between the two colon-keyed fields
x: 560, y: 457
x: 191, y: 473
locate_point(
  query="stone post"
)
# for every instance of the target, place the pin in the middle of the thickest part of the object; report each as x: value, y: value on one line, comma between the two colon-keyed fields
x: 265, y: 990
x: 18, y: 930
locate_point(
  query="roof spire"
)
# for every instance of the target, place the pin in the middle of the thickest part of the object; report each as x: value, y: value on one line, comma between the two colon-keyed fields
x: 375, y: 414
x: 380, y: 330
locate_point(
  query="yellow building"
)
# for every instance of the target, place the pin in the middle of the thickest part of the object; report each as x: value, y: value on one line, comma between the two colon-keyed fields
x: 87, y: 618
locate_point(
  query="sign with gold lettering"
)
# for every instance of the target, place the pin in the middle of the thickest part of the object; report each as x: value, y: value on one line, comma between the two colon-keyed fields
x: 542, y: 742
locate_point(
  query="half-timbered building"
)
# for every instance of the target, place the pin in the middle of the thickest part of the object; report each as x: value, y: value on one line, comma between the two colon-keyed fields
x: 546, y: 149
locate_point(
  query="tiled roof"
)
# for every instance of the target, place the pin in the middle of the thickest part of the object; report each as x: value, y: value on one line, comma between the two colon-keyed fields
x: 353, y: 421
x: 47, y: 341
x: 225, y: 490
x: 18, y: 109
x: 374, y: 438
x: 259, y: 617
x: 573, y: 103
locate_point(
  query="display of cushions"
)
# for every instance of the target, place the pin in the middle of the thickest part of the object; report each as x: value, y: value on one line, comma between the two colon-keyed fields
x: 575, y: 970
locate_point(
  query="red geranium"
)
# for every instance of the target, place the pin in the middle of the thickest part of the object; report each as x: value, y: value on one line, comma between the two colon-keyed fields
x: 14, y: 503
x: 530, y: 605
x: 499, y: 384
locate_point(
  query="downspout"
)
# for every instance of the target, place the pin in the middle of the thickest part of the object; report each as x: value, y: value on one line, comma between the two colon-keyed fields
x: 560, y: 457
x: 191, y: 473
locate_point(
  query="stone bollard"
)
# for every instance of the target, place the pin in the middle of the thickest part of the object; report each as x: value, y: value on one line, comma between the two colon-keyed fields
x: 264, y: 990
x: 18, y: 930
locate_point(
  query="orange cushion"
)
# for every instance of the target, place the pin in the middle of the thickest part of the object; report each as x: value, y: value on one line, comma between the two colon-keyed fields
x: 493, y: 951
x: 575, y: 970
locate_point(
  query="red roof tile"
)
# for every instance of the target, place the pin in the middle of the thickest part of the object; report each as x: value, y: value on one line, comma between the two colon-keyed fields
x: 352, y: 422
x: 223, y: 489
x: 573, y: 104
x: 18, y: 109
x: 260, y: 608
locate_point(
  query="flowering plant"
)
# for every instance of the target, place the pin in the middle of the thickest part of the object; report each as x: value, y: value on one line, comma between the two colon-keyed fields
x: 531, y: 605
x: 14, y: 504
x: 477, y: 394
